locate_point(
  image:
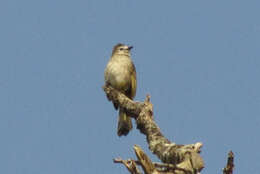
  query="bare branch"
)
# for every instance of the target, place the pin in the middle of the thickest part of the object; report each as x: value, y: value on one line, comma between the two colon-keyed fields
x: 145, y: 162
x: 230, y: 164
x: 183, y: 156
x: 129, y: 164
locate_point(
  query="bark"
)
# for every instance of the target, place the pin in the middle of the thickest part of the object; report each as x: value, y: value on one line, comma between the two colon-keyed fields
x: 184, y: 158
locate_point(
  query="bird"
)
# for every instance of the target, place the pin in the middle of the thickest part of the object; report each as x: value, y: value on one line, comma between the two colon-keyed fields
x: 120, y: 74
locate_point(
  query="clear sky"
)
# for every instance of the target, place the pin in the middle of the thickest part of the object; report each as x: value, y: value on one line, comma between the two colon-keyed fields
x: 199, y: 61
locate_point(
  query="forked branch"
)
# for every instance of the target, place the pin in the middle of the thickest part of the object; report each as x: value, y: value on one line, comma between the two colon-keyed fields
x: 184, y: 157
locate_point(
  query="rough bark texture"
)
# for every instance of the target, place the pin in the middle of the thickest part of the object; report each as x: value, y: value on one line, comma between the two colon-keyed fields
x: 185, y: 158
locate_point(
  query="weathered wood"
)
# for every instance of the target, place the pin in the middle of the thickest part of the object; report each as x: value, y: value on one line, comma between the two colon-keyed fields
x: 185, y: 157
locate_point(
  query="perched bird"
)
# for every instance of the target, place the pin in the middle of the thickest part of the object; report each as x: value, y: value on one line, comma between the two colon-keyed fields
x: 120, y: 74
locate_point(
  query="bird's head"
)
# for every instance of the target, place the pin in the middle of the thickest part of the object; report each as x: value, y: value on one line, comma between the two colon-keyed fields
x: 121, y: 49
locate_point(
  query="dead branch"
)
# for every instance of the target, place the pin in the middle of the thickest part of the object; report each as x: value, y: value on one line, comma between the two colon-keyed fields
x: 230, y: 164
x: 130, y: 165
x: 185, y: 157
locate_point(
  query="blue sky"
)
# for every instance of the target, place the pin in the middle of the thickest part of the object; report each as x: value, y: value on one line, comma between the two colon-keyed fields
x: 199, y: 61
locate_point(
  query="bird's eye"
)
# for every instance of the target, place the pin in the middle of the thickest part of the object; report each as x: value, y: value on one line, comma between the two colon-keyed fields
x: 121, y: 49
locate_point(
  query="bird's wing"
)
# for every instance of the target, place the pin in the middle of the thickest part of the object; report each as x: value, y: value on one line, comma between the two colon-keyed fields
x: 133, y: 82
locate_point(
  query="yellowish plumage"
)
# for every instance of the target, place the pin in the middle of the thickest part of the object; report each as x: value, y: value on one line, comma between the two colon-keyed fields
x: 120, y: 74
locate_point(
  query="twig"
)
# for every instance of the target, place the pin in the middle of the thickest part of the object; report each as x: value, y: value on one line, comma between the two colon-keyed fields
x: 230, y: 164
x: 129, y: 164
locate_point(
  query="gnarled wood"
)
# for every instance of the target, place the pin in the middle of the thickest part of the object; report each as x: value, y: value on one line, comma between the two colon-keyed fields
x: 185, y: 157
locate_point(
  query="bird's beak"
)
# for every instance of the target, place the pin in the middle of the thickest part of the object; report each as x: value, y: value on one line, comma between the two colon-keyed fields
x: 130, y: 47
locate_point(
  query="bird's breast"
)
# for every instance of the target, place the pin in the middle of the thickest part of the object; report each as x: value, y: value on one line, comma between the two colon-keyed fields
x: 118, y: 75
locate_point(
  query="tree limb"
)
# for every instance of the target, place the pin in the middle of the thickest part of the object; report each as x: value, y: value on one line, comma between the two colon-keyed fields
x: 183, y: 156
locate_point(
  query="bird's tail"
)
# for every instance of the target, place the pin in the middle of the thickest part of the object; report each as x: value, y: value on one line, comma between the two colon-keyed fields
x: 124, y: 123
